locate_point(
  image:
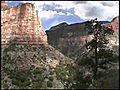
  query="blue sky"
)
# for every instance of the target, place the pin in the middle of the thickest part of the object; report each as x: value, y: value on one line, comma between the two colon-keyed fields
x: 55, y: 12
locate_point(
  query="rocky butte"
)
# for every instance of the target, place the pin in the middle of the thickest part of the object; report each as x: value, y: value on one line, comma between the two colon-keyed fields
x: 21, y: 24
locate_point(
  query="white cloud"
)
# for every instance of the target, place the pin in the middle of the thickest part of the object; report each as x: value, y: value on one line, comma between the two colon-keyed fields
x: 47, y: 14
x: 85, y: 10
x: 97, y: 10
x: 8, y: 1
x: 60, y: 13
x: 68, y: 14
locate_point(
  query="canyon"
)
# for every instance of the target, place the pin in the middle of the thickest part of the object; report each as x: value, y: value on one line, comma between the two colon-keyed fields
x: 27, y: 60
x: 70, y: 39
x: 35, y: 59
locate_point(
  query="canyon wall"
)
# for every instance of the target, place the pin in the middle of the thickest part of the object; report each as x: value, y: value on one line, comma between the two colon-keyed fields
x: 114, y: 39
x: 70, y: 39
x: 21, y: 23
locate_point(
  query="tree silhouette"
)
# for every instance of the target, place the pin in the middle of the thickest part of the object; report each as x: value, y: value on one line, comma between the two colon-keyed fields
x: 101, y: 54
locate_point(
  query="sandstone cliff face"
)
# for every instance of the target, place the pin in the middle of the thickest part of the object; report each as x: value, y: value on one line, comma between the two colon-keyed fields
x: 3, y: 4
x: 26, y: 66
x: 114, y: 39
x: 21, y: 23
x: 115, y: 24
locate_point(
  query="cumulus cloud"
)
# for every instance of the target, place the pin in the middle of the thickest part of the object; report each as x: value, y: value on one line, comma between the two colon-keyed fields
x: 47, y: 14
x: 50, y: 6
x: 91, y: 10
x: 55, y: 7
x: 110, y: 4
x: 54, y: 12
x: 80, y: 2
x: 84, y: 9
x: 7, y: 1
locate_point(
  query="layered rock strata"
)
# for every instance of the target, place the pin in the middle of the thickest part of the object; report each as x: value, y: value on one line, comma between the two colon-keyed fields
x: 21, y: 24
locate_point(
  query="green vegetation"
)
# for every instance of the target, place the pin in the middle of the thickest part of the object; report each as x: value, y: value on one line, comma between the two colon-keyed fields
x: 100, y: 58
x: 36, y: 85
x: 28, y: 70
x: 51, y: 78
x: 26, y: 66
x: 49, y: 83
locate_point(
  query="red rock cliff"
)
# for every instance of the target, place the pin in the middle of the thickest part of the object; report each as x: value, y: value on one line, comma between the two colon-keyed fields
x: 115, y: 24
x: 21, y: 23
x: 3, y: 4
x: 114, y: 40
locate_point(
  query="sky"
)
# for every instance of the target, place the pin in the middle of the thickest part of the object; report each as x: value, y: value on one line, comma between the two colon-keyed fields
x: 54, y: 12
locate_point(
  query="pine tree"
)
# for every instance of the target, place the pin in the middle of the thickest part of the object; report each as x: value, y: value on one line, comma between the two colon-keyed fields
x: 101, y: 55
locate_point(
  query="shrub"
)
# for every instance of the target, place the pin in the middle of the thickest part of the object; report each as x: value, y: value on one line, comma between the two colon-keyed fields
x: 37, y: 85
x: 51, y: 78
x: 49, y: 84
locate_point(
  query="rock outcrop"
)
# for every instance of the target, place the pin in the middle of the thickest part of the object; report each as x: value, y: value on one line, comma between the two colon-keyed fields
x: 3, y: 4
x: 21, y: 23
x: 71, y: 38
x: 114, y: 39
x: 26, y: 66
x: 115, y: 24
